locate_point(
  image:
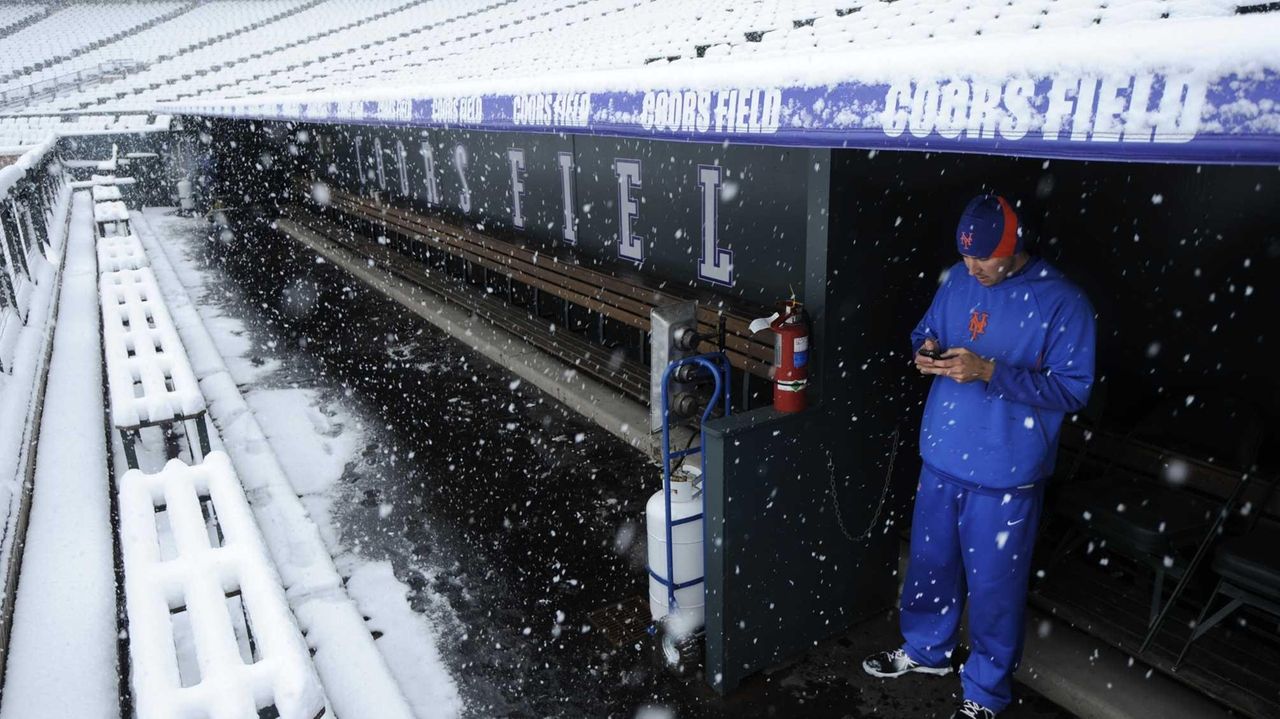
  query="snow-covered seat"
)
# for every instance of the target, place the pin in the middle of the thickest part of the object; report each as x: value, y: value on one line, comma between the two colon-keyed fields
x: 106, y: 193
x: 121, y: 252
x: 111, y: 180
x: 111, y: 218
x: 191, y: 549
x: 149, y: 378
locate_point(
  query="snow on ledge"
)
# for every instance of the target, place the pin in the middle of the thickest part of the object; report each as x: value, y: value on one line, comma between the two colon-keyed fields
x: 1202, y: 89
x: 209, y: 564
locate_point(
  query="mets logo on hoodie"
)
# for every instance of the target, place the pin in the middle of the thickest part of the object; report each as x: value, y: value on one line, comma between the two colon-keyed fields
x: 977, y: 324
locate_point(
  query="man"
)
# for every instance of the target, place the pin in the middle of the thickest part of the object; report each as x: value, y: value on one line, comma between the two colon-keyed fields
x: 1015, y: 340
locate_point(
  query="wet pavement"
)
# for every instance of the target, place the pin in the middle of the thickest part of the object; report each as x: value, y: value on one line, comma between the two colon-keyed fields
x: 510, y: 518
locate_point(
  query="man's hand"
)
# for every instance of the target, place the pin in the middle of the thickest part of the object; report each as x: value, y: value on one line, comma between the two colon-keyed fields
x: 960, y: 365
x: 922, y: 361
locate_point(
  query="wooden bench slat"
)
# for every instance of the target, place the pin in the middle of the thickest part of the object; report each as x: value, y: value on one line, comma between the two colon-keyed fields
x: 596, y: 360
x: 620, y: 299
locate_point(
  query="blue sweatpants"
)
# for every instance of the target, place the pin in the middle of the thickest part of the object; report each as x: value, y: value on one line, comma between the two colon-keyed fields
x: 975, y: 545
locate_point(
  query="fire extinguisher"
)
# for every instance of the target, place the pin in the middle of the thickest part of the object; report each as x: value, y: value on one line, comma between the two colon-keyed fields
x: 790, y: 325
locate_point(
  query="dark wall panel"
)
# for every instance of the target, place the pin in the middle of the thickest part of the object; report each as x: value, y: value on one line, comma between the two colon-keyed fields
x: 759, y: 213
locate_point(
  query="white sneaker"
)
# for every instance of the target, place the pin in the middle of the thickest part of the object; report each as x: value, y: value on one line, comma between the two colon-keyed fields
x: 973, y: 710
x: 896, y: 663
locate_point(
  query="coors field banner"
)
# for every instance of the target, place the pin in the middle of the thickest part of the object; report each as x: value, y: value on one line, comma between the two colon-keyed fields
x: 1137, y: 117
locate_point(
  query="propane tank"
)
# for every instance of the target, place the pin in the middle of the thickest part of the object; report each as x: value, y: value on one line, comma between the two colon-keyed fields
x: 686, y: 547
x: 186, y: 202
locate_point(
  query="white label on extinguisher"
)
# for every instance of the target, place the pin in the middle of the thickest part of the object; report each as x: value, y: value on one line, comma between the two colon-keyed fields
x: 800, y: 351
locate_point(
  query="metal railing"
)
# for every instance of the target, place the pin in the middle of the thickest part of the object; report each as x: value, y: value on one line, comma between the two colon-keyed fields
x: 76, y: 79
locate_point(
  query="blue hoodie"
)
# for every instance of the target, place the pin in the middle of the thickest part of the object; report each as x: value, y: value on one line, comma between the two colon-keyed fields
x: 1039, y: 329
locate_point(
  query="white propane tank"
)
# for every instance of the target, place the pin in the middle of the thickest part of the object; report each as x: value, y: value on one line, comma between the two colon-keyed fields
x: 185, y: 200
x: 686, y: 542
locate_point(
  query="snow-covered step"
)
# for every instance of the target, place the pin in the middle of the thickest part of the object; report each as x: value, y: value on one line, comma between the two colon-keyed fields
x: 149, y: 378
x: 120, y: 252
x: 197, y: 576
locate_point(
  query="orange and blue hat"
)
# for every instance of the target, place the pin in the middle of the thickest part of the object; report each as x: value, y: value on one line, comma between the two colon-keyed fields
x: 989, y: 227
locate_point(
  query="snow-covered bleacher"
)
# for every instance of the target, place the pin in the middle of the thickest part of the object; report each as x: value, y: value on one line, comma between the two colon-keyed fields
x: 211, y: 632
x: 12, y: 14
x: 196, y: 569
x: 554, y: 36
x: 237, y: 48
x: 121, y: 252
x: 77, y: 28
x: 111, y: 218
x: 106, y: 193
x: 168, y: 38
x: 324, y: 27
x: 29, y: 130
x: 149, y: 378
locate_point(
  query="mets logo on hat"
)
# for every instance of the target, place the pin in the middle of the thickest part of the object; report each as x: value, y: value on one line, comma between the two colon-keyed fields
x: 977, y: 324
x: 989, y: 227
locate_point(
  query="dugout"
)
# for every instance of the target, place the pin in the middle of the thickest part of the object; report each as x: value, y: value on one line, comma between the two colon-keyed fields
x: 1153, y: 186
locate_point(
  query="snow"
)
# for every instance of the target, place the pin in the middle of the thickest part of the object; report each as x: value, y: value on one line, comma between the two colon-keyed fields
x: 106, y: 193
x: 110, y: 212
x: 405, y: 635
x: 65, y: 612
x: 120, y: 252
x: 883, y: 43
x: 19, y: 384
x: 148, y: 376
x: 334, y: 50
x: 107, y: 180
x: 312, y: 455
x: 354, y: 672
x: 16, y: 171
x: 208, y: 564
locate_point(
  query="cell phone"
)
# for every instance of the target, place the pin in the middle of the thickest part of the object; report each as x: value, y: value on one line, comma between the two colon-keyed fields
x: 933, y: 354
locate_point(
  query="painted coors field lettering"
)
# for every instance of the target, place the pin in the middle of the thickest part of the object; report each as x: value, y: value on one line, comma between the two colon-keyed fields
x: 715, y: 265
x: 429, y: 173
x: 630, y: 245
x: 402, y: 165
x: 515, y: 156
x: 565, y: 161
x: 1140, y: 108
x: 552, y: 109
x: 394, y: 110
x: 460, y: 164
x: 739, y: 111
x: 359, y: 141
x: 379, y: 164
x: 457, y: 110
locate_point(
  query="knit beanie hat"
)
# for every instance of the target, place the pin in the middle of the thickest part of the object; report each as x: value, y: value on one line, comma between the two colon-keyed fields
x: 989, y: 228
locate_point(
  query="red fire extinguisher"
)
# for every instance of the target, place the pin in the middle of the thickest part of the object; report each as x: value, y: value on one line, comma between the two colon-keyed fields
x: 790, y: 355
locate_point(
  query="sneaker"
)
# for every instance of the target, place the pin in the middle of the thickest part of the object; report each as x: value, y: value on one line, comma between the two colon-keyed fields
x: 896, y: 663
x: 973, y: 710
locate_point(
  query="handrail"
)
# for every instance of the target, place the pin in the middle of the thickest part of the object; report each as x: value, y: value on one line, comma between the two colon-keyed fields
x: 52, y: 84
